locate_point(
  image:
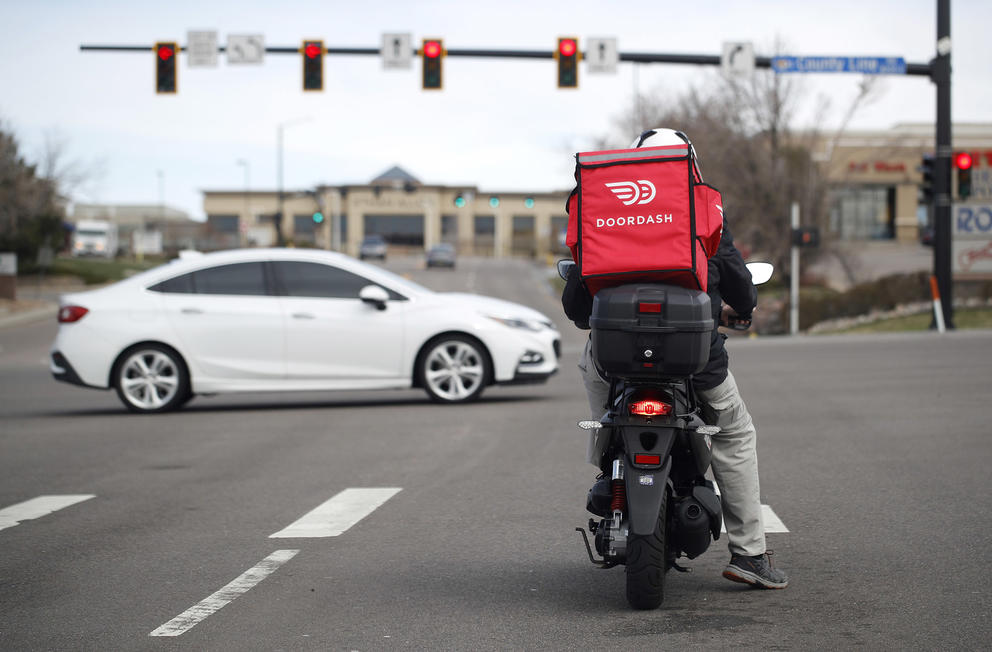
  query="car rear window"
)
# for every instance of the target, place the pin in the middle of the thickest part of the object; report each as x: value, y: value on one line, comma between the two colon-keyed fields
x: 234, y: 279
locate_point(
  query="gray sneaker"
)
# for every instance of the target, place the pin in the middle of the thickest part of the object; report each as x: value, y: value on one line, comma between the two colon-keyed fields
x: 756, y: 571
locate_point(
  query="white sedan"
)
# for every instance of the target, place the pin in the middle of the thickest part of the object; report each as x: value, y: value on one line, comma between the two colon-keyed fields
x: 292, y: 320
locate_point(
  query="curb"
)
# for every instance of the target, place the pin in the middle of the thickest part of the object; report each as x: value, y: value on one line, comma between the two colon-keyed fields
x: 28, y: 316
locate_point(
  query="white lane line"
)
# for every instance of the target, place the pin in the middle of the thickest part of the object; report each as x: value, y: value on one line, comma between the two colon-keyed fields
x: 38, y: 507
x: 336, y: 515
x: 773, y: 524
x: 206, y: 607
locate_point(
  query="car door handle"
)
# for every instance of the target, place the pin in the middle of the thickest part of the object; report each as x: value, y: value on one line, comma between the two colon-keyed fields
x: 191, y: 311
x: 302, y: 315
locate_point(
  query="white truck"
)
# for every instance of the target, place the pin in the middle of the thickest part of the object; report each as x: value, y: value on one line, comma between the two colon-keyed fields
x: 95, y: 238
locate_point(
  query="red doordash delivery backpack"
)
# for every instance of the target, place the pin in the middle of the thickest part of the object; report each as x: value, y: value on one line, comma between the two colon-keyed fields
x: 643, y: 215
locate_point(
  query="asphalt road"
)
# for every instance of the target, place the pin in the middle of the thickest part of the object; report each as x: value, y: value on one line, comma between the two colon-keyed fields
x: 874, y: 453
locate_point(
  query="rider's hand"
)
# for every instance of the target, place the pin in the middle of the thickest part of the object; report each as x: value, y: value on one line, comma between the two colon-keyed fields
x: 731, y: 319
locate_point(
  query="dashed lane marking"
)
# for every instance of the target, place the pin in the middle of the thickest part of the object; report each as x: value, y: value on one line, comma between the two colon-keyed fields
x: 38, y: 507
x: 210, y: 605
x: 336, y: 515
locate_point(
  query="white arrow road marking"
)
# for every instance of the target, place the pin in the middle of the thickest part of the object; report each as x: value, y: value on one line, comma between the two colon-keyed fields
x: 38, y: 507
x: 773, y: 524
x: 336, y: 515
x: 200, y: 611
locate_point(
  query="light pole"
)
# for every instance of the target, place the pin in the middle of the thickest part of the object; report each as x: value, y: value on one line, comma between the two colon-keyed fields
x: 243, y: 226
x: 280, y: 241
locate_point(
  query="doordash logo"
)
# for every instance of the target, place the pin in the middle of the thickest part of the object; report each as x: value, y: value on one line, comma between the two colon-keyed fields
x: 630, y: 192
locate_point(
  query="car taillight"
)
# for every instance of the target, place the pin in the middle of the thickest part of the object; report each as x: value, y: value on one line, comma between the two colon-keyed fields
x: 650, y: 407
x: 69, y: 314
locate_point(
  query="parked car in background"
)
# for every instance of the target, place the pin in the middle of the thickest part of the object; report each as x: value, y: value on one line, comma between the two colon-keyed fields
x: 373, y: 246
x: 292, y: 320
x: 95, y: 238
x: 441, y: 255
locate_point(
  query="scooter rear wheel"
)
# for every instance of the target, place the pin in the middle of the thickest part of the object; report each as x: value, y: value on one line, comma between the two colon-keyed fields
x: 647, y: 565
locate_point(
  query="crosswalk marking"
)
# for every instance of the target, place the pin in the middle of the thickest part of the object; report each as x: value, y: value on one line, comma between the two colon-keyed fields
x: 209, y: 605
x: 38, y: 507
x: 773, y: 524
x: 336, y: 515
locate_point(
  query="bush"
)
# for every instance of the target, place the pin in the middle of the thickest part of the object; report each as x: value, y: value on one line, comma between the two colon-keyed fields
x: 820, y: 304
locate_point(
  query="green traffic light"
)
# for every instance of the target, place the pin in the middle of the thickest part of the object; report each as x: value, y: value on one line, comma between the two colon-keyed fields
x: 529, y: 202
x: 318, y: 217
x: 460, y: 201
x: 494, y: 202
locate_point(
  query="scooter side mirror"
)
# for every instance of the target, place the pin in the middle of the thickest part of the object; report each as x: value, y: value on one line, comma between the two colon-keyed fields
x: 564, y: 267
x: 760, y: 272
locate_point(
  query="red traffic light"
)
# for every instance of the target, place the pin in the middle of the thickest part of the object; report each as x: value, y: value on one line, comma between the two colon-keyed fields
x: 312, y: 50
x: 962, y: 161
x: 432, y: 49
x: 567, y: 47
x: 165, y: 52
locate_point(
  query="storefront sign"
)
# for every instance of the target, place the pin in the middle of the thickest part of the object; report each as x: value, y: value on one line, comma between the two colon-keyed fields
x: 971, y: 250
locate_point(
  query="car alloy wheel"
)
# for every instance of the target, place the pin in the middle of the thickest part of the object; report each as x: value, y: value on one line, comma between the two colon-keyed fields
x: 151, y: 378
x: 454, y: 369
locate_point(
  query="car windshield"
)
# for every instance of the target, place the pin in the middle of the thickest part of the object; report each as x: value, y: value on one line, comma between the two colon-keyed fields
x: 373, y: 239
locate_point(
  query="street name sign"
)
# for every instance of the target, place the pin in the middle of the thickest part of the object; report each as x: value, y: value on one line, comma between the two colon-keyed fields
x: 862, y: 65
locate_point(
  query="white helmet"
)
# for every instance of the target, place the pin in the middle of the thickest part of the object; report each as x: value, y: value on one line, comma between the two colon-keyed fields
x: 662, y: 137
x: 659, y: 138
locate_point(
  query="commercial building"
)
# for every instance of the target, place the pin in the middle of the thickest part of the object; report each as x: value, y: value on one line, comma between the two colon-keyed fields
x: 173, y: 228
x: 875, y: 194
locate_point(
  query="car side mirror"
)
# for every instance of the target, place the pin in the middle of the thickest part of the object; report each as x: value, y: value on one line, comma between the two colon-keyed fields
x: 564, y: 267
x: 374, y: 295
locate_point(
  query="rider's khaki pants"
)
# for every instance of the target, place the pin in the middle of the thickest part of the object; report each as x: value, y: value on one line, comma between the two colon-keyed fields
x: 735, y: 458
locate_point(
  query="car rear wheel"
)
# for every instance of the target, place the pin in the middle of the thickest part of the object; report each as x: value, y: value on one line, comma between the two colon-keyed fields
x: 454, y: 369
x: 151, y: 378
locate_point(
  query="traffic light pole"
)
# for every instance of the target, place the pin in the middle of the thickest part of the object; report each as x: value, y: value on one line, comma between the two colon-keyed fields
x: 941, y: 77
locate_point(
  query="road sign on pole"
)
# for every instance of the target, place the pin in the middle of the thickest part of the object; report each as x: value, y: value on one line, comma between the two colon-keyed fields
x: 862, y: 65
x: 601, y: 55
x: 201, y: 49
x: 397, y: 51
x: 245, y: 48
x: 737, y: 58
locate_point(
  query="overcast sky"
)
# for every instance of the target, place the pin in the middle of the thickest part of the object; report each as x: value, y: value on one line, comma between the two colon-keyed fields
x: 499, y: 124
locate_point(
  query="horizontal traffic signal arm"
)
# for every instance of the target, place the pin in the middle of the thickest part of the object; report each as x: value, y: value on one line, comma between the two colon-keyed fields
x: 637, y: 57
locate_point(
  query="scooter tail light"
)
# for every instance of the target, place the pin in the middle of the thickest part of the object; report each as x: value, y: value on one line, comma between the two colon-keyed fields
x: 650, y: 407
x: 69, y: 314
x: 648, y: 460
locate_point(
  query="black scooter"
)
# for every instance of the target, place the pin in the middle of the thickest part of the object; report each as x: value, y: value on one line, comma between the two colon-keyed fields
x: 653, y: 500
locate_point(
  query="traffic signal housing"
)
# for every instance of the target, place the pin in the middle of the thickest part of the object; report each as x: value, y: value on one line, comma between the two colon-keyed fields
x: 963, y: 163
x: 806, y: 237
x: 926, y: 179
x: 165, y: 67
x: 567, y: 55
x: 313, y: 65
x: 432, y: 52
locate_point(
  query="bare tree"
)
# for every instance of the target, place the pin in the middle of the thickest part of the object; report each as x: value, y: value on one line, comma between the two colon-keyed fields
x: 744, y: 130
